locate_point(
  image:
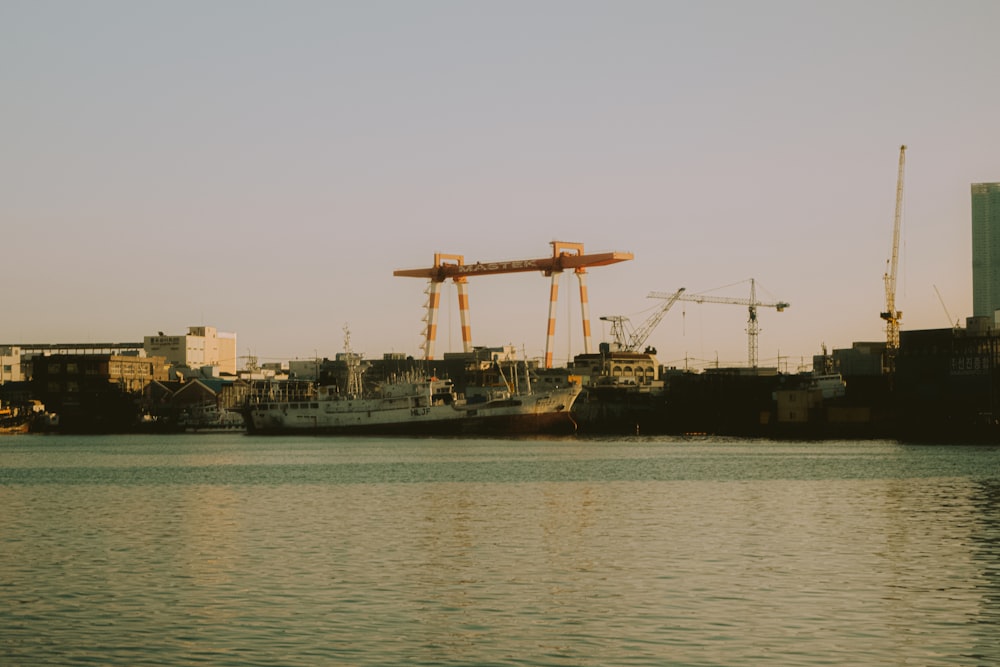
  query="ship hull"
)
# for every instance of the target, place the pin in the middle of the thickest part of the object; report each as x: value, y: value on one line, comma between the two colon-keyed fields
x: 501, y: 425
x: 546, y: 414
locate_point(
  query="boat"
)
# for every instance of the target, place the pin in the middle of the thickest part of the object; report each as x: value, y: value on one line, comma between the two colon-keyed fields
x: 15, y: 418
x: 421, y: 405
x: 208, y: 416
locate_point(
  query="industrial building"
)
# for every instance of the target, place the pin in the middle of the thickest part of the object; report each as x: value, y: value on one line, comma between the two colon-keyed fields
x: 201, y: 346
x: 95, y: 392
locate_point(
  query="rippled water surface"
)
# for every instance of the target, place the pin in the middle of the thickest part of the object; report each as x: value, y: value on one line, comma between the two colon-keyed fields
x: 232, y: 550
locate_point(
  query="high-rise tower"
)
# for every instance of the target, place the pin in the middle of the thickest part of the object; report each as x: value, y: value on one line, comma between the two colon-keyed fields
x: 985, y: 249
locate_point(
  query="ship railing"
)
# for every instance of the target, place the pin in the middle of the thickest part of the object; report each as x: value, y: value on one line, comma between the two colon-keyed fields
x: 280, y: 392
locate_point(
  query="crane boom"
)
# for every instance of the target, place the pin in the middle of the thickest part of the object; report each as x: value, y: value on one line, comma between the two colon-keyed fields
x: 753, y: 328
x: 892, y: 316
x: 643, y: 332
x: 946, y: 312
x: 630, y: 341
x: 701, y: 298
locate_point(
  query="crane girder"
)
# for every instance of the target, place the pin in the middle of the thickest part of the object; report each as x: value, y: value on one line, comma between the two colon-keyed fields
x: 457, y: 268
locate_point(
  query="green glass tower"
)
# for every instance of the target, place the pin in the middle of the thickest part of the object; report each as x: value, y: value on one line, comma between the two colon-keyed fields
x: 985, y: 249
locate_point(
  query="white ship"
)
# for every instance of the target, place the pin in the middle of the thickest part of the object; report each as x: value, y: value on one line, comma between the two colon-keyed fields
x: 499, y: 403
x: 428, y: 406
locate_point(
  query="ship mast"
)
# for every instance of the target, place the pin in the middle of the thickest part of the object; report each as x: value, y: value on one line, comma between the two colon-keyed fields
x: 353, y: 385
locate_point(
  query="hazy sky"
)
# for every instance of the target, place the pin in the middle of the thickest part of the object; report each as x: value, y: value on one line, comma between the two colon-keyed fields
x: 263, y: 167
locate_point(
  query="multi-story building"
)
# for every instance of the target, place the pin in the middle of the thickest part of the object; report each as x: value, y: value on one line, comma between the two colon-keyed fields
x: 202, y: 346
x: 986, y: 250
x: 948, y: 380
x: 95, y: 392
x: 10, y: 364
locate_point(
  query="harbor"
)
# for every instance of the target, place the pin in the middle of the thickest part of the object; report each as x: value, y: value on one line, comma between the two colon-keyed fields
x: 501, y: 334
x: 936, y: 385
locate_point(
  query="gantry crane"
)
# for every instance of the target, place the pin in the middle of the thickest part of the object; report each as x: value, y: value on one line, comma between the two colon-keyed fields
x: 565, y: 257
x: 892, y: 316
x: 630, y: 340
x: 753, y: 328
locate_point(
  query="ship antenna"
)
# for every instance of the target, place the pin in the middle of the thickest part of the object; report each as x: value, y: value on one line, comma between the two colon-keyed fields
x: 527, y: 376
x: 353, y: 377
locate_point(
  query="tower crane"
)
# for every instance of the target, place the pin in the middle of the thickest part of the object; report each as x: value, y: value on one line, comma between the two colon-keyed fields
x: 630, y: 340
x: 753, y: 328
x: 565, y: 257
x: 890, y: 314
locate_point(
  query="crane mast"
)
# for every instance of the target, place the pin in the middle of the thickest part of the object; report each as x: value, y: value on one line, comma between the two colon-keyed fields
x: 890, y: 314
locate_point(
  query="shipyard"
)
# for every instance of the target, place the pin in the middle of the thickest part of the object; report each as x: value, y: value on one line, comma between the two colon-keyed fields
x: 928, y: 384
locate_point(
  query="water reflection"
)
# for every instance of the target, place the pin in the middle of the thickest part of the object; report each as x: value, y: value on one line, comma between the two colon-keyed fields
x: 471, y: 553
x: 985, y: 543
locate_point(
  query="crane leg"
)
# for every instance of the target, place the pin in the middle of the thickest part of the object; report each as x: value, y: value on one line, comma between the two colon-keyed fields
x: 430, y: 334
x: 463, y: 309
x: 584, y: 310
x: 550, y: 335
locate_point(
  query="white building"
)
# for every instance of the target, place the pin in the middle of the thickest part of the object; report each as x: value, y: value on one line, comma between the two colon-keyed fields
x: 10, y: 364
x: 202, y: 346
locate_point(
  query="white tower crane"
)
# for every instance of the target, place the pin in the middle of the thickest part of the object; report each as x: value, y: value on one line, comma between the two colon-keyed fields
x: 890, y: 314
x: 753, y: 328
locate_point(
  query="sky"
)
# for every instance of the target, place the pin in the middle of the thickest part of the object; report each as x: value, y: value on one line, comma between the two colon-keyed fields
x: 263, y: 167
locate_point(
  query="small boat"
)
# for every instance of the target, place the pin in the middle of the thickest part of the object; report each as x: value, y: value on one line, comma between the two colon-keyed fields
x: 208, y: 416
x: 14, y: 419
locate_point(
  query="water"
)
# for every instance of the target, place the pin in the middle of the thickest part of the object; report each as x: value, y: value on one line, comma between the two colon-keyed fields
x: 232, y: 550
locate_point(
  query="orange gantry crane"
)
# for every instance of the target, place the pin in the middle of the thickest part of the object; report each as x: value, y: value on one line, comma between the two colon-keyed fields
x: 565, y: 257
